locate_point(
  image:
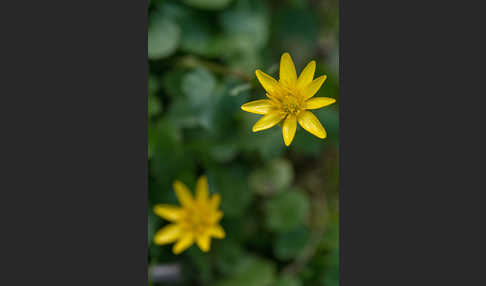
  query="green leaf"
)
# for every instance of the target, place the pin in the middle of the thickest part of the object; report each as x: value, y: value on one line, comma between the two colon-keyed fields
x: 287, y: 211
x: 172, y: 82
x: 169, y: 158
x: 153, y: 85
x: 154, y: 105
x: 208, y: 4
x: 252, y: 270
x: 250, y: 24
x: 232, y: 184
x: 228, y: 254
x: 269, y: 143
x: 197, y: 34
x: 277, y: 175
x: 288, y: 280
x: 289, y: 244
x: 201, y: 260
x: 288, y: 29
x: 152, y: 224
x: 223, y: 152
x: 163, y: 38
x: 183, y: 115
x: 307, y: 144
x: 198, y: 85
x: 237, y: 90
x: 331, y: 274
x: 226, y: 117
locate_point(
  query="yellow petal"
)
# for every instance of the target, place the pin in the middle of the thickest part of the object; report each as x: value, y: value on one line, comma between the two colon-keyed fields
x: 171, y: 213
x: 217, y: 231
x: 215, y: 201
x: 202, y: 189
x: 306, y: 75
x: 309, y: 122
x: 268, y: 82
x: 268, y: 121
x: 288, y: 75
x: 288, y: 129
x: 204, y: 242
x: 313, y: 87
x: 216, y: 216
x: 184, y: 243
x: 167, y: 234
x: 183, y: 194
x: 261, y: 106
x: 274, y: 99
x: 318, y: 102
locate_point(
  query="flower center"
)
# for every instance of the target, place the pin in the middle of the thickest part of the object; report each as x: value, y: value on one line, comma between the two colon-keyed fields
x: 291, y: 104
x: 197, y: 219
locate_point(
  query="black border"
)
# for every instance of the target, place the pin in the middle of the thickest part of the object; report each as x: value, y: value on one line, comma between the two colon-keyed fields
x: 411, y: 82
x: 76, y: 182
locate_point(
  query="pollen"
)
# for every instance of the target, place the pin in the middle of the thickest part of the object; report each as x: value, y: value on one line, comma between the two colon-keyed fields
x: 197, y: 219
x: 291, y: 105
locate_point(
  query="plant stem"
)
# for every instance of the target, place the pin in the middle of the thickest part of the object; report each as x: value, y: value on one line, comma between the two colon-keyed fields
x: 191, y: 61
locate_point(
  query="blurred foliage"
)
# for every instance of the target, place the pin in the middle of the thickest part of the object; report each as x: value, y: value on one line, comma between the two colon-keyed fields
x: 280, y: 204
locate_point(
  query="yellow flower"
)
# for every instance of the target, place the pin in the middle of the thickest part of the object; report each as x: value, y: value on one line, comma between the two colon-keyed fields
x: 290, y: 98
x: 197, y: 220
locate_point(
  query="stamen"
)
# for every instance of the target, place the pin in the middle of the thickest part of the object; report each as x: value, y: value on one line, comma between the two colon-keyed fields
x: 291, y: 104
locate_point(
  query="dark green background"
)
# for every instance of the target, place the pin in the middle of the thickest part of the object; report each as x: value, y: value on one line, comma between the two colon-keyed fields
x: 280, y: 203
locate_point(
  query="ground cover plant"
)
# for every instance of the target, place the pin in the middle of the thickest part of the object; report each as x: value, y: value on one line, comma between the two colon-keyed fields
x: 278, y: 203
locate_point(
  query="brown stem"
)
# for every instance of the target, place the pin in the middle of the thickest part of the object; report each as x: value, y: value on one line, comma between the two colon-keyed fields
x: 191, y: 61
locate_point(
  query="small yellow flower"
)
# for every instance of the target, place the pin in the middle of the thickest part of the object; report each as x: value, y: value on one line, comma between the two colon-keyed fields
x: 290, y: 98
x: 197, y: 220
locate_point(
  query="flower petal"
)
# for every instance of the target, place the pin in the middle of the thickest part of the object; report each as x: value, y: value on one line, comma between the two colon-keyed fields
x: 202, y: 189
x: 306, y: 75
x: 167, y: 234
x: 268, y: 121
x: 268, y: 82
x: 288, y: 75
x: 288, y: 129
x: 215, y: 201
x: 184, y: 243
x: 261, y: 106
x: 274, y: 99
x: 318, y: 102
x: 313, y: 87
x: 204, y: 242
x: 217, y: 231
x: 309, y: 122
x: 216, y: 216
x: 170, y: 213
x: 183, y: 194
